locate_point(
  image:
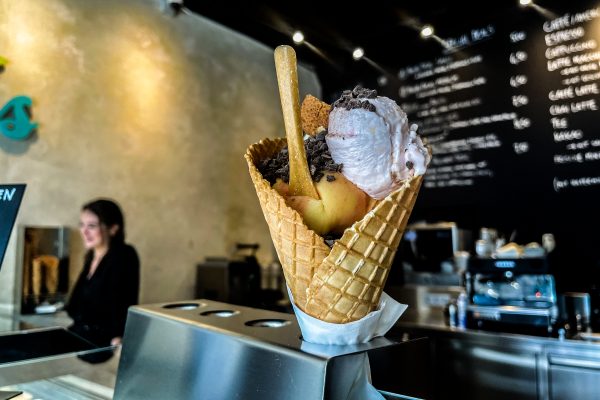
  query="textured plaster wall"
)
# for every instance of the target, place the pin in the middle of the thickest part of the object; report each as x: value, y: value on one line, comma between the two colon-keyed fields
x: 151, y: 110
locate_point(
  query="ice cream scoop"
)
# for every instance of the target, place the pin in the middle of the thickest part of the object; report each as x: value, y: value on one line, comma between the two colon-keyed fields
x: 370, y: 135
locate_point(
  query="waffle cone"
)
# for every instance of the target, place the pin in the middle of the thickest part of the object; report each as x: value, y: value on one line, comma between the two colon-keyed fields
x: 344, y: 283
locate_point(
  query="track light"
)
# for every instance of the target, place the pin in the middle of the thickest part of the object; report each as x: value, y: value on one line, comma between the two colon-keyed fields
x: 358, y: 53
x: 298, y: 37
x: 426, y: 31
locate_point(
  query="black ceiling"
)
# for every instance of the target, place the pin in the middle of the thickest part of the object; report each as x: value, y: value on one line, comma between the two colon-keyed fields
x: 386, y: 30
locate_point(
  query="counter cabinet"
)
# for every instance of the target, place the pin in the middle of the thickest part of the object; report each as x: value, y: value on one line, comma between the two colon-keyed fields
x: 470, y: 364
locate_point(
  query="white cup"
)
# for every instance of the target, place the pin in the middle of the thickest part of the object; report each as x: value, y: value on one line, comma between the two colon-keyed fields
x: 483, y: 248
x: 485, y: 234
x: 548, y: 242
x: 461, y: 260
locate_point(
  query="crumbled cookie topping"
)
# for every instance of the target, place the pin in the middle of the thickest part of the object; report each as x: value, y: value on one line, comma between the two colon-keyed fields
x: 352, y: 99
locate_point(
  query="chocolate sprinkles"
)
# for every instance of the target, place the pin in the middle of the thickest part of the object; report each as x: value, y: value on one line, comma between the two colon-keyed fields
x: 318, y: 157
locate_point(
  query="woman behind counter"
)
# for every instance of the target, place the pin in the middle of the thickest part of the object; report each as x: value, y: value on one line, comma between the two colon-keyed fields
x: 109, y: 281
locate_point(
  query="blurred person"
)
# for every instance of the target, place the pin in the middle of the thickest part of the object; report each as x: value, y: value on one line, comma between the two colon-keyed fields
x: 109, y: 281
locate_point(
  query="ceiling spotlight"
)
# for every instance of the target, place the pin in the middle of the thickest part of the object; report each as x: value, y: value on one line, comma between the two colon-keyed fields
x: 426, y: 31
x: 525, y: 2
x: 298, y: 37
x: 358, y: 53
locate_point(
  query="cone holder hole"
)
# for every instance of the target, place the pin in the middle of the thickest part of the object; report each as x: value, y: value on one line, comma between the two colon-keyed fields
x: 268, y: 323
x: 220, y: 313
x: 184, y: 306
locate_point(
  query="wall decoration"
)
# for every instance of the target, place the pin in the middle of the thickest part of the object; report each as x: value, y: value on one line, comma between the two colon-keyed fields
x: 15, y: 118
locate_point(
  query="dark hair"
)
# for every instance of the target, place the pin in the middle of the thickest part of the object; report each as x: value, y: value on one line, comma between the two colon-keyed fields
x: 109, y: 213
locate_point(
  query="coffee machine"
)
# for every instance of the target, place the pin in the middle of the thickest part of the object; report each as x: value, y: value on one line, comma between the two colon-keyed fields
x: 511, y: 295
x: 427, y: 254
x: 234, y: 280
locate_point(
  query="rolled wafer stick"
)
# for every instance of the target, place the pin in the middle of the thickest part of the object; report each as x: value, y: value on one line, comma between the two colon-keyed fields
x: 301, y: 183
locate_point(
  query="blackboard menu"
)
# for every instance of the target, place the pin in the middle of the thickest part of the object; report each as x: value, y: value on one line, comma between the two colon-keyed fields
x: 510, y: 106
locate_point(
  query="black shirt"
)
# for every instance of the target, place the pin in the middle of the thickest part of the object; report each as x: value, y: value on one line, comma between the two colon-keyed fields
x: 99, y: 305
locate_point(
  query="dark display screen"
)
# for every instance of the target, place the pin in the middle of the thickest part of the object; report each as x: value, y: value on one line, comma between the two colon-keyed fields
x: 42, y: 343
x: 10, y: 200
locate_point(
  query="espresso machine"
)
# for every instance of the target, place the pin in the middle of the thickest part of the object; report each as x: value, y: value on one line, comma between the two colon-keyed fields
x: 511, y: 295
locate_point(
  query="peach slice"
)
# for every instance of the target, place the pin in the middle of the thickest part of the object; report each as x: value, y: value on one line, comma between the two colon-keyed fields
x: 340, y: 205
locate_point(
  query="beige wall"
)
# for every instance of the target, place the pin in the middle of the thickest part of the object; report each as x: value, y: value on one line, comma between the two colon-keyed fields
x: 150, y: 109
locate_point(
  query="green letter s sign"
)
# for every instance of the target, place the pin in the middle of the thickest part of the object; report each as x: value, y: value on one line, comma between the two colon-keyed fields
x: 15, y: 117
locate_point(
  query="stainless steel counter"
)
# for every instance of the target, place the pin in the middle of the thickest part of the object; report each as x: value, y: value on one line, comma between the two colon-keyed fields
x: 472, y: 364
x: 37, y: 358
x: 431, y: 323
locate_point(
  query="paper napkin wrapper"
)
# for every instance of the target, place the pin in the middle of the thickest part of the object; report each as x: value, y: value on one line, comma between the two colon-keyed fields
x: 376, y: 323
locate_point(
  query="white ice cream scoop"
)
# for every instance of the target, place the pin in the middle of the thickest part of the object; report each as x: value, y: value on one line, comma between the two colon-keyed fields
x: 371, y: 137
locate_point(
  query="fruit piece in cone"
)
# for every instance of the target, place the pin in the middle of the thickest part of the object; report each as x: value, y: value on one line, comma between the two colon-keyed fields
x: 340, y: 204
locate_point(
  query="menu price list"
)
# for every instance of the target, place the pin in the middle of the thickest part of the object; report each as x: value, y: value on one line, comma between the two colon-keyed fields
x: 509, y: 107
x: 468, y: 125
x: 516, y: 98
x: 573, y: 62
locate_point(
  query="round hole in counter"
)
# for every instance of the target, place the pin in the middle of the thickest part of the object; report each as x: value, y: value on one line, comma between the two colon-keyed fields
x: 220, y: 313
x: 183, y: 306
x: 268, y: 323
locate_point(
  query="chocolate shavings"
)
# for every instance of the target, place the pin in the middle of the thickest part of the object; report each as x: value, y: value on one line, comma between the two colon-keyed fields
x: 318, y: 157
